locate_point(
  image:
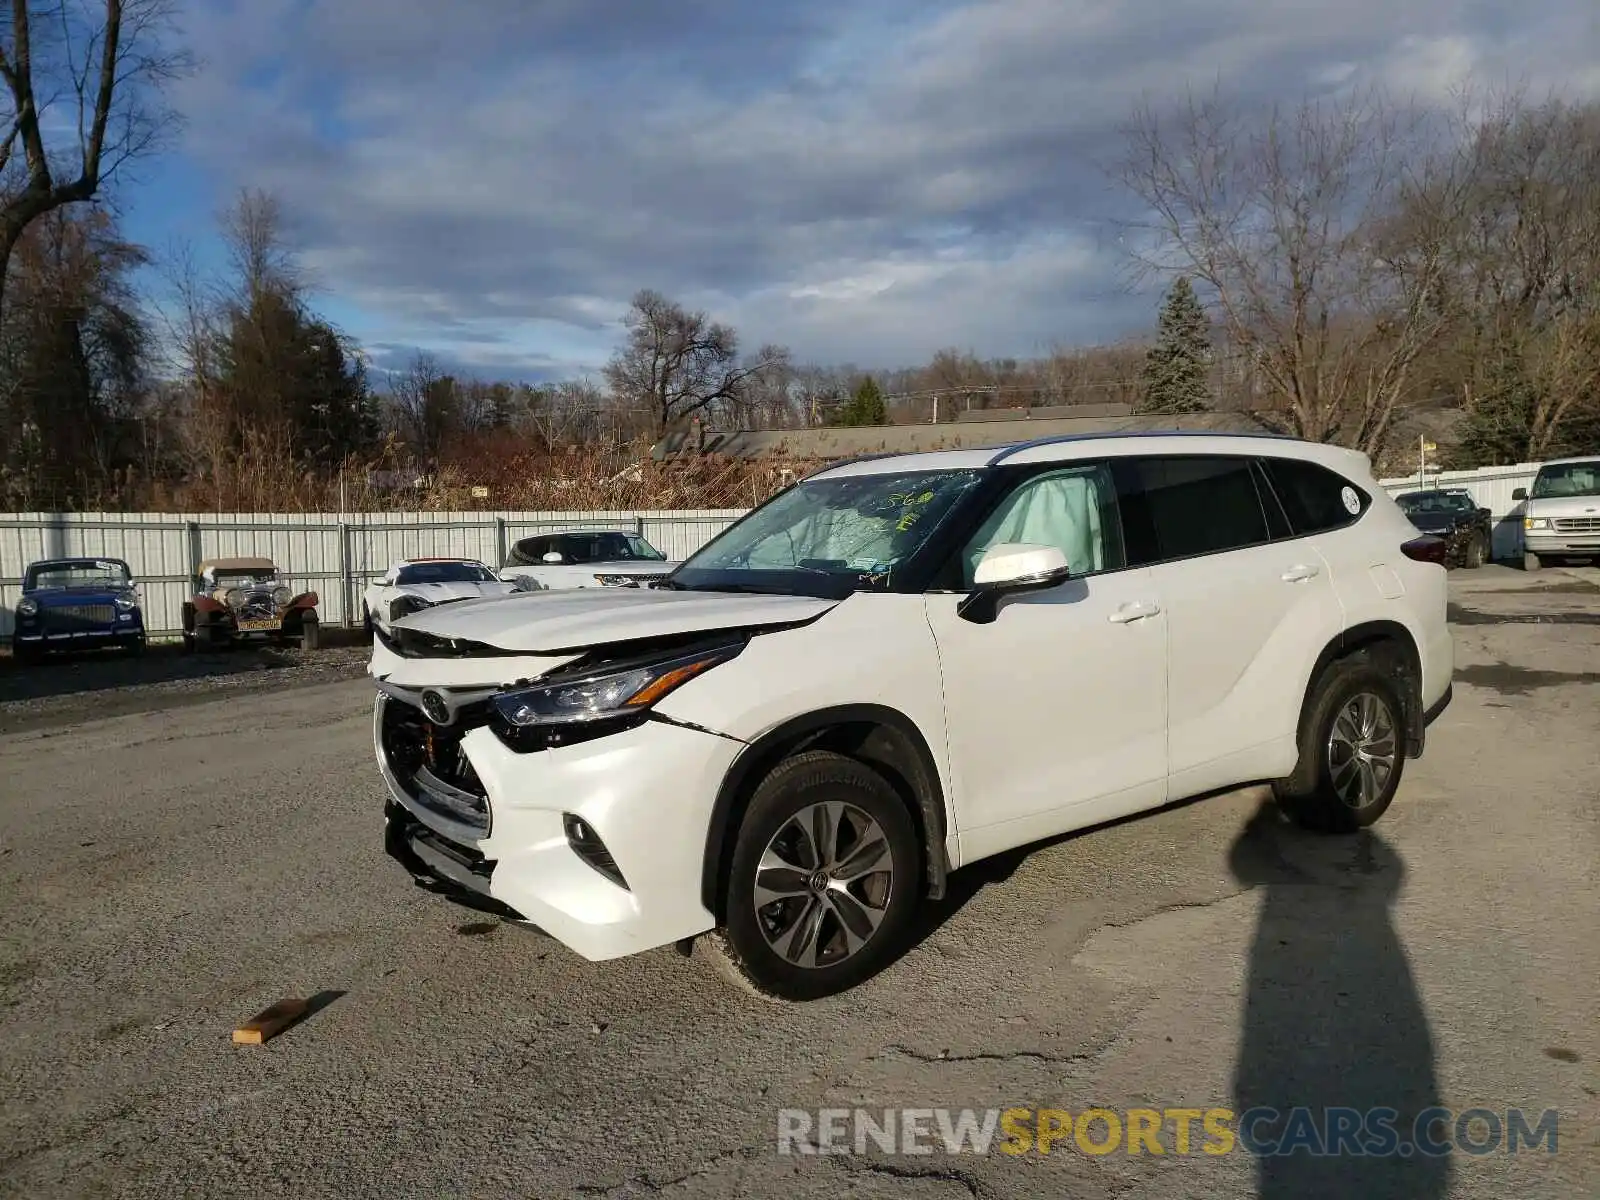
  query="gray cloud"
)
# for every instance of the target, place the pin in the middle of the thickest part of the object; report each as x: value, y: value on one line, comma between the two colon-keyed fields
x: 863, y: 183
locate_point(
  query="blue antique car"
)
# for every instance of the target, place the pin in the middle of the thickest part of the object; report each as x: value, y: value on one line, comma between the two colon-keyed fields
x: 76, y: 603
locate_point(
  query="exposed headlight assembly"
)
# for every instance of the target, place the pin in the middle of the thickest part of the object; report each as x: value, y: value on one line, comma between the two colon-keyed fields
x: 404, y: 606
x: 608, y: 692
x: 617, y: 580
x: 27, y: 607
x: 126, y: 601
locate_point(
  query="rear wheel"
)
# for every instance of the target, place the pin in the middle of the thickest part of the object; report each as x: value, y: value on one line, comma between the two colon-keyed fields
x: 824, y: 882
x: 1352, y: 750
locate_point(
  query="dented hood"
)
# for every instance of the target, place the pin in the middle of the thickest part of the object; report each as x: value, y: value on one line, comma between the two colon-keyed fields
x: 555, y: 621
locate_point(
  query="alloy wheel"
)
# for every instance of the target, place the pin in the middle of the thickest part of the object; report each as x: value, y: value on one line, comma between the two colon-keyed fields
x: 1362, y: 749
x: 823, y: 885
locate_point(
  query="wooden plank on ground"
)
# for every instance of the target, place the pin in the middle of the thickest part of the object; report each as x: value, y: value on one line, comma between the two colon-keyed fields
x: 270, y: 1022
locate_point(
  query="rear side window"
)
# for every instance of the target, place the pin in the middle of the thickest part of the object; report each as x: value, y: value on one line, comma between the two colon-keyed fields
x: 1315, y: 498
x: 1191, y: 506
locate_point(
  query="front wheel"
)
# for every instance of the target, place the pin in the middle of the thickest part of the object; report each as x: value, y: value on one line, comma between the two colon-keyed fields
x: 825, y: 879
x: 1531, y: 561
x: 1352, y: 751
x: 1475, y: 552
x: 310, y: 633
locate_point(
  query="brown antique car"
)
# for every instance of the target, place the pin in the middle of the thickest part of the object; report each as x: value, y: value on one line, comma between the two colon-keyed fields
x: 244, y: 598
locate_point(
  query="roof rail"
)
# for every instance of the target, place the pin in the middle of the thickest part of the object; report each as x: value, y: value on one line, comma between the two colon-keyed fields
x: 1006, y: 452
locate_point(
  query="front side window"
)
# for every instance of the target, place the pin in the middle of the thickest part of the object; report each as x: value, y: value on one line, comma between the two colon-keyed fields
x: 1567, y: 479
x: 98, y: 574
x: 1197, y: 505
x: 1073, y: 509
x: 829, y: 537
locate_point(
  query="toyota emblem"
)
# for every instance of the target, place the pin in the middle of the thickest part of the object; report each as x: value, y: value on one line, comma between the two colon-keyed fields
x: 436, y: 708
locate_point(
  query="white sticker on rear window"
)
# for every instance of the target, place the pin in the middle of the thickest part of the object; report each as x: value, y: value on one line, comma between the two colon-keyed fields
x: 1352, y: 502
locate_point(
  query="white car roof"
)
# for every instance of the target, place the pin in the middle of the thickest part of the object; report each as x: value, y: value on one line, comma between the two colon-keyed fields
x: 1070, y: 447
x: 580, y: 531
x: 1561, y: 462
x: 411, y: 562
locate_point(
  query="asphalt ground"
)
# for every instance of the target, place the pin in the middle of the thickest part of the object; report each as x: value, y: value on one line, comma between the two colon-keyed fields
x: 173, y: 862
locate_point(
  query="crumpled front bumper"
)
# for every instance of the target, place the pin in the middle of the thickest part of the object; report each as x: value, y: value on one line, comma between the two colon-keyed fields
x: 646, y: 793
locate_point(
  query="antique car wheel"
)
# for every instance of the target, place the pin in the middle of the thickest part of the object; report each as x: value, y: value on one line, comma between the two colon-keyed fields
x: 26, y: 654
x: 310, y: 633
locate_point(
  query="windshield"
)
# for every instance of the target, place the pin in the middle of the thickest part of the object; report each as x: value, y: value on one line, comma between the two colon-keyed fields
x: 1421, y: 503
x: 586, y: 548
x: 234, y: 579
x: 107, y: 575
x: 1567, y: 479
x: 445, y: 572
x: 828, y: 537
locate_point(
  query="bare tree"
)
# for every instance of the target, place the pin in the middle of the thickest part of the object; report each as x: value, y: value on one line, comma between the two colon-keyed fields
x: 95, y: 67
x: 1525, y: 271
x: 676, y: 362
x: 1295, y: 226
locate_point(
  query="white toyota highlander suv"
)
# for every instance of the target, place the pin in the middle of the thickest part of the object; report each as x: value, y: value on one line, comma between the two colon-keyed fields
x: 899, y: 666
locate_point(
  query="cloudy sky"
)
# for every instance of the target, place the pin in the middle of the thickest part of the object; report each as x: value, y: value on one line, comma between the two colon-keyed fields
x: 864, y: 180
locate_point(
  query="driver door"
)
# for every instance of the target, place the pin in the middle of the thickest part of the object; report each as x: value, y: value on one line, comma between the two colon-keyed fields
x: 1056, y: 711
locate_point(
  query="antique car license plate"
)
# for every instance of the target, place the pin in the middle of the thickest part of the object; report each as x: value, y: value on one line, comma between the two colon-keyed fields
x: 260, y: 623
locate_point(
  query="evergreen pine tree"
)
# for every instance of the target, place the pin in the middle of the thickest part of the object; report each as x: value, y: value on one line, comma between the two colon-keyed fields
x: 1174, y: 378
x: 866, y: 407
x: 1499, y: 425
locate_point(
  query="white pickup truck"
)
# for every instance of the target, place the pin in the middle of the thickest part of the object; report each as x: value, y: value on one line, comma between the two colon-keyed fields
x: 584, y: 558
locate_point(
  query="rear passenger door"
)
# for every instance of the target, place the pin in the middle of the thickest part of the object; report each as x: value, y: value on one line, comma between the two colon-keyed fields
x: 1244, y: 599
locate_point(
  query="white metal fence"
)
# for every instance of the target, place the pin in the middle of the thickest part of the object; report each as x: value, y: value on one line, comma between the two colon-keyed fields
x: 335, y: 556
x: 338, y: 555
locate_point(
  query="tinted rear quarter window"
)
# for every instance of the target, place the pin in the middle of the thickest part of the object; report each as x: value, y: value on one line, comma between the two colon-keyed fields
x: 1313, y: 496
x: 1197, y: 505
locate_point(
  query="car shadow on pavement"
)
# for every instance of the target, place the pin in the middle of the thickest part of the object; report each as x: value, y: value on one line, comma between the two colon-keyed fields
x: 1334, y: 1031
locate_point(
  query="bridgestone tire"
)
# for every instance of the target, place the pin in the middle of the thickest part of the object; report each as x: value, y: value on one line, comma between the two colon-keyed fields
x: 1309, y: 796
x: 793, y: 786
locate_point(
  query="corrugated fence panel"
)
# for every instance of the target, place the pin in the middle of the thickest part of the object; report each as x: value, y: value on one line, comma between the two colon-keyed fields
x: 335, y: 555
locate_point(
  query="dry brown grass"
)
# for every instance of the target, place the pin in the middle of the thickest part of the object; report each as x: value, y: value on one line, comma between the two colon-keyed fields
x: 519, y: 473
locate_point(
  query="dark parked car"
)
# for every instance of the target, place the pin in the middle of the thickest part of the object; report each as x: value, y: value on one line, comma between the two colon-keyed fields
x: 76, y: 603
x: 1452, y: 514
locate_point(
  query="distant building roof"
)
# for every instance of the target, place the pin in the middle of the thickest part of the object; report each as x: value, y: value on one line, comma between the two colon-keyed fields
x: 832, y: 442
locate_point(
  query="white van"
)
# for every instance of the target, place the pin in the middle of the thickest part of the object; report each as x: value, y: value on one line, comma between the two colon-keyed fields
x: 1562, y: 517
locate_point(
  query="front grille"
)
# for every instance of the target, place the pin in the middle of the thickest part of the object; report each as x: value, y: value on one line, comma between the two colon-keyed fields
x: 428, y: 762
x: 1577, y: 524
x: 74, y: 618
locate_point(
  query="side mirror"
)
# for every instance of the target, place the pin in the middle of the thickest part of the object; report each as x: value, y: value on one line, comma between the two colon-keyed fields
x: 1520, y: 494
x: 1007, y: 568
x: 555, y: 557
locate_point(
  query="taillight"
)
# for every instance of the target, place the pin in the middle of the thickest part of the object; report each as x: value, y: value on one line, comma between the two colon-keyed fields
x: 1428, y: 549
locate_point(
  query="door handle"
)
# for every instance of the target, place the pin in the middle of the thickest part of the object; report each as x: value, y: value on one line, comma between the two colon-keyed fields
x: 1134, y: 610
x: 1300, y: 573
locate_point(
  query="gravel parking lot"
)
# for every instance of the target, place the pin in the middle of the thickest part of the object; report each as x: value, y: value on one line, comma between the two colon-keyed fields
x: 188, y: 841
